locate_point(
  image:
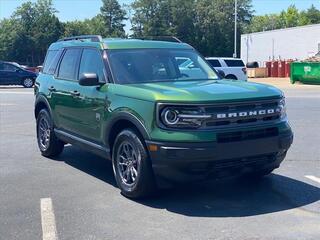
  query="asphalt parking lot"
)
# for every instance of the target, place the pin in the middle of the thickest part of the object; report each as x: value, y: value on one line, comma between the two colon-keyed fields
x: 75, y: 197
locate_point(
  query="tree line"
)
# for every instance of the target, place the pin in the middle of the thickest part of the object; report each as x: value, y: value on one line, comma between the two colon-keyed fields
x: 208, y: 25
x: 292, y: 17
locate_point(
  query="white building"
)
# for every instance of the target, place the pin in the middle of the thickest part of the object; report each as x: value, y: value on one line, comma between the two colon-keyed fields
x: 290, y: 43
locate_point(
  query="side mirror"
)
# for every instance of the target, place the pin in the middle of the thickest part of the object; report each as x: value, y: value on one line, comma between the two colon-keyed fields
x: 89, y: 79
x: 221, y: 73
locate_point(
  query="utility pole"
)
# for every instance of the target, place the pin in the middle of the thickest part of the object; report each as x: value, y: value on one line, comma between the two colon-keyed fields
x: 235, y: 27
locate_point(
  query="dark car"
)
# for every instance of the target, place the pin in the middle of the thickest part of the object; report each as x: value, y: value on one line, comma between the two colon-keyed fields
x: 12, y: 74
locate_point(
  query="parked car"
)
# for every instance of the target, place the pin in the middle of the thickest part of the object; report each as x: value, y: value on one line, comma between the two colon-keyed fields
x: 13, y: 74
x: 233, y: 68
x: 160, y: 122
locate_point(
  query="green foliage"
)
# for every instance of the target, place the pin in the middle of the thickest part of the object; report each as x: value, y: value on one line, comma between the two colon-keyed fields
x: 207, y: 25
x: 292, y: 17
x: 28, y: 33
x: 113, y: 16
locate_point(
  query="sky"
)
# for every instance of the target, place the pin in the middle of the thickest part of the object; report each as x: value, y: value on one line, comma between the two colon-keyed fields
x: 80, y: 9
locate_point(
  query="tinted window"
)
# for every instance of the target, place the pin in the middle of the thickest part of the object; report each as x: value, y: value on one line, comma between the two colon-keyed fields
x: 234, y: 63
x: 214, y: 62
x: 51, y: 62
x: 151, y: 65
x: 7, y: 67
x: 91, y: 62
x: 68, y: 64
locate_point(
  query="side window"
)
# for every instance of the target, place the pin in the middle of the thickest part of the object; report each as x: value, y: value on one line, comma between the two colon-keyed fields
x: 51, y: 61
x: 234, y: 63
x: 91, y: 62
x: 214, y: 63
x: 68, y: 64
x: 8, y: 67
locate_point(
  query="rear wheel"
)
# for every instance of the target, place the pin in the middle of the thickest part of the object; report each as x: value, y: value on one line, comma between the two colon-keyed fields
x: 28, y: 82
x: 131, y: 165
x: 49, y: 144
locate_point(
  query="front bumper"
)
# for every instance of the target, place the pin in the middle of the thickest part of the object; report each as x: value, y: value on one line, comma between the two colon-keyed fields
x: 179, y: 162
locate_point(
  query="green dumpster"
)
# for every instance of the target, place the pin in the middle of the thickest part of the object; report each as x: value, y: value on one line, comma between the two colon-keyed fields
x: 305, y: 72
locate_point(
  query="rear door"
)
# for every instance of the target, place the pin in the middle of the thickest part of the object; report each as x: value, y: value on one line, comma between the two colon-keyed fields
x: 62, y: 90
x: 237, y: 68
x: 214, y: 63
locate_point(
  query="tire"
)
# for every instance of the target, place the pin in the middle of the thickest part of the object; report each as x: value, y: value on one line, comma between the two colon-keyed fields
x: 28, y: 82
x: 48, y: 143
x: 233, y: 77
x: 131, y: 166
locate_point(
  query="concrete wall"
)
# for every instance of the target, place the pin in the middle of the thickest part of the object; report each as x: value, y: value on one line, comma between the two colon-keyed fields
x: 291, y: 43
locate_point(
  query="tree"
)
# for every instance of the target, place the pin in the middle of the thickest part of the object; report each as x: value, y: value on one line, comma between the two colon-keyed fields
x: 207, y: 25
x: 28, y: 33
x: 289, y: 18
x: 311, y: 16
x: 47, y: 27
x: 113, y: 16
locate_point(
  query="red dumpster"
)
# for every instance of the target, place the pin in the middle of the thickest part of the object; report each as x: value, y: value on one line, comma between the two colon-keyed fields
x: 268, y: 66
x: 274, y: 69
x: 287, y: 68
x: 281, y: 69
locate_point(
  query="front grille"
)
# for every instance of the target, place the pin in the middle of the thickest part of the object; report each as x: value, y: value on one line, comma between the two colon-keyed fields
x: 231, y: 164
x: 246, y: 135
x: 234, y: 114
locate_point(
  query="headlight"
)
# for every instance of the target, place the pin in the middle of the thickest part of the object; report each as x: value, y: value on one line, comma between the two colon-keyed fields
x: 182, y: 117
x: 282, y: 108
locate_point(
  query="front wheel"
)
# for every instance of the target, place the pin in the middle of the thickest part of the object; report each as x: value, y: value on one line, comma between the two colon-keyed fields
x: 49, y: 144
x: 131, y: 165
x: 27, y: 82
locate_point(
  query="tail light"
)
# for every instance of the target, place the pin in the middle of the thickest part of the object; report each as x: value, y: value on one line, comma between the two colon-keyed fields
x: 244, y: 70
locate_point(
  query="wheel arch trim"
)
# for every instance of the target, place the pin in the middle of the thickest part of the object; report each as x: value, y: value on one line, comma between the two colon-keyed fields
x: 126, y: 116
x: 40, y: 99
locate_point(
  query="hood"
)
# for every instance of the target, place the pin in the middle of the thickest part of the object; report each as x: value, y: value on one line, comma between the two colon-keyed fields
x: 201, y: 91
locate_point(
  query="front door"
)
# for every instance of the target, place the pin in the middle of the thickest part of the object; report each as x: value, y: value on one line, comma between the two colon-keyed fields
x: 91, y: 100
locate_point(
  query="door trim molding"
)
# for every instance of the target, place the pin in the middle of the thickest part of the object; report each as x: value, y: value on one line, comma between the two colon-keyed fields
x: 88, y: 145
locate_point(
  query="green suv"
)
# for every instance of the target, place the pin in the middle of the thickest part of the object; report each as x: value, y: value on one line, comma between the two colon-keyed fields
x: 158, y: 111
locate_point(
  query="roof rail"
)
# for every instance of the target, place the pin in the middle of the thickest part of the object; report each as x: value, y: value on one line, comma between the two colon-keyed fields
x: 161, y: 38
x: 93, y: 38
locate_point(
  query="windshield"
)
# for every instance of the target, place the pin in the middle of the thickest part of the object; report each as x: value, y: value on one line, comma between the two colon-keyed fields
x: 154, y: 65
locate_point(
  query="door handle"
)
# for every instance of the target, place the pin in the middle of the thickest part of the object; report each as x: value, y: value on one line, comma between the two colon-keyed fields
x: 52, y: 89
x: 75, y: 93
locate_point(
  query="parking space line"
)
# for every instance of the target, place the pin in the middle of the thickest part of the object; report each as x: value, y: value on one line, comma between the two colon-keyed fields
x: 313, y: 178
x: 7, y: 92
x: 48, y: 223
x: 8, y: 104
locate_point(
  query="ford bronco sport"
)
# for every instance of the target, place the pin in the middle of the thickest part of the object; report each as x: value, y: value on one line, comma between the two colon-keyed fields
x: 130, y: 101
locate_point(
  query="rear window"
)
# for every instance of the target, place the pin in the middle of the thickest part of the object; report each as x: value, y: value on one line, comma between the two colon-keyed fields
x: 234, y: 63
x: 7, y: 67
x: 214, y: 62
x: 48, y: 61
